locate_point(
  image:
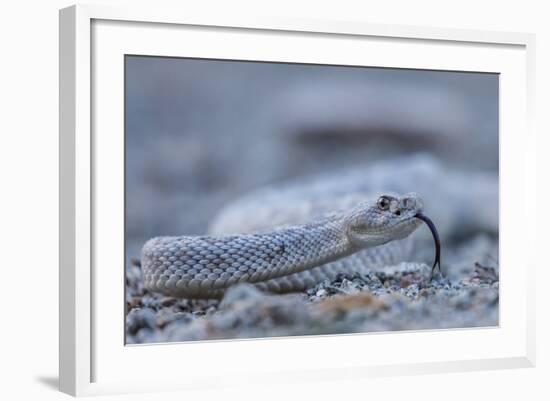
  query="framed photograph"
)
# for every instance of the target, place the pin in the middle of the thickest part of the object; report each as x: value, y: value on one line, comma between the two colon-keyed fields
x: 290, y: 198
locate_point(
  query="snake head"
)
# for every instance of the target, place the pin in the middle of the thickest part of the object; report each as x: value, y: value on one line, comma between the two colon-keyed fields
x: 386, y: 219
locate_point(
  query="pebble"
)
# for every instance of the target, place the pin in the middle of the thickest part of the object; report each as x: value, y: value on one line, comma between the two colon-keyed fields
x: 139, y: 318
x: 321, y: 293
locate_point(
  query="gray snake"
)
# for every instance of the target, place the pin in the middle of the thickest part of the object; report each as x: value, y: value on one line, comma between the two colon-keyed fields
x: 347, y: 230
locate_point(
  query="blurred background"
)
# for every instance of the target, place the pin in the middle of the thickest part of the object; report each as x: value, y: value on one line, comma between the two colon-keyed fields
x: 200, y: 133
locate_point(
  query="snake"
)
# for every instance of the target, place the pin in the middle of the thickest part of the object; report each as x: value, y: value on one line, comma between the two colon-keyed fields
x: 290, y: 237
x: 204, y: 266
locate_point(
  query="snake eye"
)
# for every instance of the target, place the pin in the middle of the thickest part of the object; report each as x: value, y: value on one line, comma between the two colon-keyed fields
x: 383, y: 203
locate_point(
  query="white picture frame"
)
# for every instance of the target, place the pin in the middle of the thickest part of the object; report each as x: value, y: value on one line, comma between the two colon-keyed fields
x: 94, y: 360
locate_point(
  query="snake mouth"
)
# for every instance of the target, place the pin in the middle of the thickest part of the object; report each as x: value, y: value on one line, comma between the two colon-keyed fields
x: 435, y: 235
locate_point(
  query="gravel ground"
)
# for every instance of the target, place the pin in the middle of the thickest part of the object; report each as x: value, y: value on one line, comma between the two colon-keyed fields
x: 399, y: 297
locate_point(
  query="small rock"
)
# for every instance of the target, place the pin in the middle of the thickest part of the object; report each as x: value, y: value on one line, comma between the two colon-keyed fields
x: 134, y: 302
x: 140, y: 318
x: 348, y: 286
x: 166, y: 317
x: 168, y: 301
x: 321, y: 293
x: 405, y: 281
x: 346, y: 303
x: 239, y: 293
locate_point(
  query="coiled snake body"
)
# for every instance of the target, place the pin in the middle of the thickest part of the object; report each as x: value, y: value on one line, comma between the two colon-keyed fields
x: 314, y: 235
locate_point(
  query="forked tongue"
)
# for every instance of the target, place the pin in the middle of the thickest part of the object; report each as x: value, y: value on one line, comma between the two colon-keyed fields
x: 435, y: 235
